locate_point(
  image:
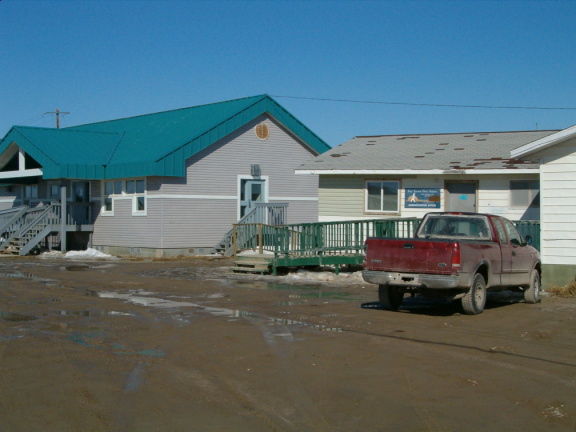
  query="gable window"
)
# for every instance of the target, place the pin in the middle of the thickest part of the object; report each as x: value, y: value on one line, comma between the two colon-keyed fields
x: 382, y: 196
x: 524, y: 193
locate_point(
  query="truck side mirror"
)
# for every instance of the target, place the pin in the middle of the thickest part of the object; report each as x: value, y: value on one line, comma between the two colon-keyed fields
x: 528, y: 240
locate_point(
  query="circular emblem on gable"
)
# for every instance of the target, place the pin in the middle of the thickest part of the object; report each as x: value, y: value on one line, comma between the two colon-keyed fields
x: 262, y: 131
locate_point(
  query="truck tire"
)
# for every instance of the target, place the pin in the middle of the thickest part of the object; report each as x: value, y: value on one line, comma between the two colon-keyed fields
x: 390, y: 297
x: 475, y: 299
x: 532, y: 294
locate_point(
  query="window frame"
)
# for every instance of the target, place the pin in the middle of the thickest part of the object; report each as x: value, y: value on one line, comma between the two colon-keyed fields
x: 533, y: 194
x: 33, y: 188
x: 382, y: 182
x: 49, y: 194
x: 119, y: 189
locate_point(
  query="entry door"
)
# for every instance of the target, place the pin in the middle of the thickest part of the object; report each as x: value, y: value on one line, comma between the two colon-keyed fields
x: 79, y: 210
x: 461, y: 197
x: 251, y: 191
x: 81, y: 192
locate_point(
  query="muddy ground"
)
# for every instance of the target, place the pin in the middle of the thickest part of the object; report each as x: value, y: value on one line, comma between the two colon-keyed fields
x: 182, y: 345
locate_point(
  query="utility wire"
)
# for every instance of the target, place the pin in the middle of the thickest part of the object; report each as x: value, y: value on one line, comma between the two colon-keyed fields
x: 425, y: 104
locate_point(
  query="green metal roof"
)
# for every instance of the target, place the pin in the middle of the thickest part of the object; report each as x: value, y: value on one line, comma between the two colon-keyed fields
x: 146, y: 145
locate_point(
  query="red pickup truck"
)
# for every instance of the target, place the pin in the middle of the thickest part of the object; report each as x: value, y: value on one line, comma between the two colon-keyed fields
x: 454, y: 256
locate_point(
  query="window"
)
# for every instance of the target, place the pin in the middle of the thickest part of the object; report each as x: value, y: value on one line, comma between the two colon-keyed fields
x: 500, y: 229
x: 513, y: 234
x: 31, y: 192
x: 382, y: 196
x: 54, y: 191
x: 524, y: 193
x: 108, y: 192
x: 118, y: 187
x: 134, y: 190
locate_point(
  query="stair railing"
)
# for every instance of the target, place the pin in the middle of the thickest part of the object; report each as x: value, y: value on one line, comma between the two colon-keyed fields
x: 25, y: 219
x: 262, y: 213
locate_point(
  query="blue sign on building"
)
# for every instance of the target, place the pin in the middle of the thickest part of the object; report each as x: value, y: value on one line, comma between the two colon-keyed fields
x: 422, y: 198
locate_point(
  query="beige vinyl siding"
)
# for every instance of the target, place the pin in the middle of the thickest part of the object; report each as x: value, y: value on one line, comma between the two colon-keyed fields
x: 558, y: 202
x: 341, y: 196
x: 196, y: 211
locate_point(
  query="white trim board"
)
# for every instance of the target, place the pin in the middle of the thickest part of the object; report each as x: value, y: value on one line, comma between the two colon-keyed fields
x: 220, y: 197
x: 543, y: 143
x: 421, y: 172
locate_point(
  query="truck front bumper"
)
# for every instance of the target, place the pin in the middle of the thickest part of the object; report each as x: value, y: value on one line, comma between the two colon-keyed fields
x: 415, y: 280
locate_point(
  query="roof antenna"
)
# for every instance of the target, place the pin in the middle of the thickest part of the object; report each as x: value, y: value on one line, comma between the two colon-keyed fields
x: 57, y: 112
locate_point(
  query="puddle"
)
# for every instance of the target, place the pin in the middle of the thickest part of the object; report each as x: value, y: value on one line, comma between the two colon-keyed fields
x: 92, y: 313
x: 77, y: 267
x: 141, y: 298
x: 95, y: 340
x: 14, y: 317
x: 21, y: 275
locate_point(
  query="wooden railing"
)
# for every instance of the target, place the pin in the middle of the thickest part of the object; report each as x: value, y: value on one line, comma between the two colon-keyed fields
x: 312, y: 239
x: 25, y: 223
x: 262, y: 213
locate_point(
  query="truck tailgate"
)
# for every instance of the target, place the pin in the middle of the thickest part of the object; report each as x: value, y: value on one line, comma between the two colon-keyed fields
x: 409, y: 255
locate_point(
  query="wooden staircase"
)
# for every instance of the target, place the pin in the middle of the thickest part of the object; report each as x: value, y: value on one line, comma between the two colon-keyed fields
x: 253, y: 264
x: 267, y: 213
x: 24, y: 228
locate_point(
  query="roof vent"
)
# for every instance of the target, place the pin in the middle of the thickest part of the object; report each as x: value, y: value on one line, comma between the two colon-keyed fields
x: 262, y: 131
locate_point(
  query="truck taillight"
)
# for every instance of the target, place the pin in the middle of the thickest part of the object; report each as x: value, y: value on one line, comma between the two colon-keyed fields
x: 455, y: 255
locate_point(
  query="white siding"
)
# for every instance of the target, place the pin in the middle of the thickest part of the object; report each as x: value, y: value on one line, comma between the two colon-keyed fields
x: 558, y: 201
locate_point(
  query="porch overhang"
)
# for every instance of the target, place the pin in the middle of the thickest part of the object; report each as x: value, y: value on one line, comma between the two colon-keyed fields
x: 18, y: 176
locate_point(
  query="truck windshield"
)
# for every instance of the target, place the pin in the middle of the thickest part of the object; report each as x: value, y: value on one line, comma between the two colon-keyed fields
x: 449, y: 226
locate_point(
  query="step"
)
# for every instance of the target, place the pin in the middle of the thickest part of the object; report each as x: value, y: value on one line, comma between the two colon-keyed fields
x: 250, y: 270
x: 253, y: 263
x: 255, y: 257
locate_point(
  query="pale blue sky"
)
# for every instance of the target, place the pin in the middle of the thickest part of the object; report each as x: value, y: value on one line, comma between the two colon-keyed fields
x: 107, y: 59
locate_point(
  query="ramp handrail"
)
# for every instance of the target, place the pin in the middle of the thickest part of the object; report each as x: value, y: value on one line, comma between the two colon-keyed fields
x: 346, y: 237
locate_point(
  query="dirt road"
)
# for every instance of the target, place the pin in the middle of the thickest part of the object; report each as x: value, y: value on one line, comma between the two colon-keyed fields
x: 185, y: 346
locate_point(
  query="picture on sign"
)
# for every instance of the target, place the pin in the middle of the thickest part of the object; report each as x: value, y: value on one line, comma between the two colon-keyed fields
x: 422, y: 198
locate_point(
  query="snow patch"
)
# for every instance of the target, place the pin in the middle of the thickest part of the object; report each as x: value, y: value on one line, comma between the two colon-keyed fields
x: 86, y: 254
x: 326, y: 276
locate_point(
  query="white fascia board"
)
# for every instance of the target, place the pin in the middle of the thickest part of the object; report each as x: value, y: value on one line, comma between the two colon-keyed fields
x: 420, y: 172
x: 544, y: 143
x: 18, y: 174
x: 368, y: 172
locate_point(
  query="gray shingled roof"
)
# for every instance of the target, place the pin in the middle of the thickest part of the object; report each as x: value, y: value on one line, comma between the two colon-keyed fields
x: 457, y: 151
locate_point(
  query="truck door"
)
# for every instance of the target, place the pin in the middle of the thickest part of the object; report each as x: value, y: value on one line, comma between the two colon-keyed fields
x: 506, y: 251
x: 521, y: 259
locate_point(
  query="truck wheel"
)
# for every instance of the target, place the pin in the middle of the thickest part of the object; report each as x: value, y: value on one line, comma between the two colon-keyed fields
x: 532, y: 294
x: 390, y: 297
x: 475, y: 299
